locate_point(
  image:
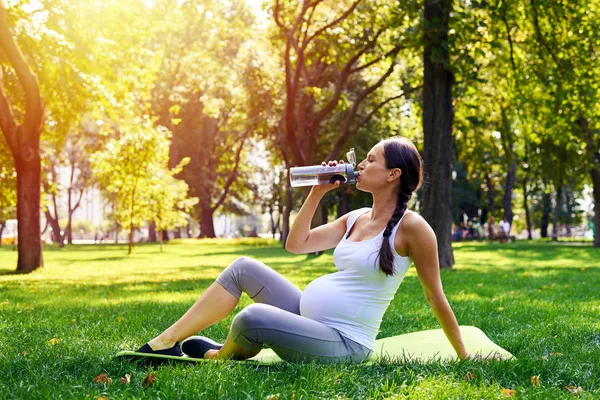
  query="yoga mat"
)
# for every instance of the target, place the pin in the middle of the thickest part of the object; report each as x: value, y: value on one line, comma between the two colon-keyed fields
x: 417, y: 346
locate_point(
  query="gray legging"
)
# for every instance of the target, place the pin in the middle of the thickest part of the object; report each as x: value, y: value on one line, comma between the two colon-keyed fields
x: 276, y: 321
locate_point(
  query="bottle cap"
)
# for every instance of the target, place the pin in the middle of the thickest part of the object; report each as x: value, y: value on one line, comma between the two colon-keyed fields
x: 351, y: 157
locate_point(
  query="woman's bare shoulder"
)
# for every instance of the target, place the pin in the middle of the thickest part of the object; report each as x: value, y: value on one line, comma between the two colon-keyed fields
x: 413, y: 223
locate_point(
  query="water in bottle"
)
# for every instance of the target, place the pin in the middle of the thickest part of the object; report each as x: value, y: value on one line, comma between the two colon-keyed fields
x: 319, y: 175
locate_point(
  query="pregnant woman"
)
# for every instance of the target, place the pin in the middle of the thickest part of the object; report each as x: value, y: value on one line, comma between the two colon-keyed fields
x: 337, y: 316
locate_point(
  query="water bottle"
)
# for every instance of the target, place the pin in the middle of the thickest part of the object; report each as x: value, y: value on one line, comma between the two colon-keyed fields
x: 321, y: 175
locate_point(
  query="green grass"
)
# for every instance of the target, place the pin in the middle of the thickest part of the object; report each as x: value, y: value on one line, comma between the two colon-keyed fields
x: 540, y: 301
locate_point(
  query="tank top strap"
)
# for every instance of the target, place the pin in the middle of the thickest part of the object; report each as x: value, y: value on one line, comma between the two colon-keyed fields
x: 393, y: 235
x: 354, y: 216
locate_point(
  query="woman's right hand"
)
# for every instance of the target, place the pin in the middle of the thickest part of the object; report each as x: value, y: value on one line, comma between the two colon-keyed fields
x: 322, y: 189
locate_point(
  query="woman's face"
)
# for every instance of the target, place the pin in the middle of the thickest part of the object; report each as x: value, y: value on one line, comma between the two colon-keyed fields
x: 373, y: 174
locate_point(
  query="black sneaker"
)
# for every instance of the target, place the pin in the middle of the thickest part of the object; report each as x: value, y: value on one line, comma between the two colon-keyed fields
x: 197, y: 346
x: 171, y: 351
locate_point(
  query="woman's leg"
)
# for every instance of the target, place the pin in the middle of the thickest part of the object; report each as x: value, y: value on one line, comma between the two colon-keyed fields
x: 291, y: 336
x: 261, y: 283
x: 213, y: 305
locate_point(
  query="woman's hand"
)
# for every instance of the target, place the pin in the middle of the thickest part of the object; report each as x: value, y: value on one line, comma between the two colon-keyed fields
x: 320, y: 190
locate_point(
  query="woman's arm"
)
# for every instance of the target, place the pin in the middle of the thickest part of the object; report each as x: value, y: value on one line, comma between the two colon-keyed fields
x: 302, y: 239
x: 421, y: 246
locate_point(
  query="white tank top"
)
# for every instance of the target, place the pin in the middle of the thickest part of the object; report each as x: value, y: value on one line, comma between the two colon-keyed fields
x: 354, y: 299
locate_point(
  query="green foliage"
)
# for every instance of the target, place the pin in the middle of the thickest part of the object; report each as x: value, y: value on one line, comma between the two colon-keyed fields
x: 133, y: 171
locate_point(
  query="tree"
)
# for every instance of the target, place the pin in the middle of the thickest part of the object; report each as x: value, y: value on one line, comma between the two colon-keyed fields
x: 210, y: 96
x: 133, y: 170
x: 437, y: 126
x: 336, y: 57
x: 23, y: 140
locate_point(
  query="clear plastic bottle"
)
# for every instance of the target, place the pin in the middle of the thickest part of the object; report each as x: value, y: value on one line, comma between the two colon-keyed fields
x: 320, y: 175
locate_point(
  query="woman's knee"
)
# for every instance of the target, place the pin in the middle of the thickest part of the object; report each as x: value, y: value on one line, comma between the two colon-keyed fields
x: 246, y: 327
x: 251, y: 317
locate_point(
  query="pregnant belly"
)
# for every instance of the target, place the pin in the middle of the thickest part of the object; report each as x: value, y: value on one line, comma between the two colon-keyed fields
x: 325, y: 300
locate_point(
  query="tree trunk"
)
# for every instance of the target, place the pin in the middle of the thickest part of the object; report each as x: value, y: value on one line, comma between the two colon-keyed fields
x: 116, y: 232
x: 164, y: 236
x: 207, y: 227
x: 508, y: 191
x: 557, y: 213
x: 568, y: 199
x: 595, y: 173
x: 177, y: 233
x: 289, y: 201
x: 69, y: 229
x: 28, y: 211
x: 490, y: 195
x: 438, y: 115
x: 152, y: 232
x: 274, y: 225
x: 526, y: 207
x: 343, y: 204
x: 1, y: 230
x: 24, y: 143
x: 547, y: 207
x: 160, y: 235
x: 130, y: 238
x: 55, y: 235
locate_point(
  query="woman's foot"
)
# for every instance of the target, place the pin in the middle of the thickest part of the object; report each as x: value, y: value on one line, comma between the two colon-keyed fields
x: 174, y: 350
x: 200, y: 346
x: 160, y: 344
x: 211, y: 354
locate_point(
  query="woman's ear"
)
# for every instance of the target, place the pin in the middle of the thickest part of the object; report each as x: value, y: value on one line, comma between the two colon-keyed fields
x: 394, y: 174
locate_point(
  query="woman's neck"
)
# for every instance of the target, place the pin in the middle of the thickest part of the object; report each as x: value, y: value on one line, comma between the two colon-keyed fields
x: 384, y: 205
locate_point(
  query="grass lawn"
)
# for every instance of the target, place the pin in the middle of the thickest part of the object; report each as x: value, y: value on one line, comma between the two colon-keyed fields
x: 61, y: 325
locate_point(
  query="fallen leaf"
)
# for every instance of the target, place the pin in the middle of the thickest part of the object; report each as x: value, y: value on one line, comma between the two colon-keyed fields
x: 102, y: 378
x: 583, y: 268
x: 556, y: 354
x: 469, y: 376
x: 148, y: 380
x: 500, y: 308
x: 120, y: 319
x: 126, y: 380
x: 507, y: 392
x: 73, y: 322
x: 272, y: 397
x: 535, y: 380
x: 574, y: 390
x: 24, y: 354
x: 102, y: 398
x: 480, y: 284
x: 53, y: 341
x: 293, y: 396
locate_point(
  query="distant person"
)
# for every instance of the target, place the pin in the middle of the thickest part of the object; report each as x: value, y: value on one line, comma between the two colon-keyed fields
x: 504, y: 230
x: 478, y: 229
x: 337, y: 317
x: 472, y: 232
x: 492, y: 228
x: 457, y: 233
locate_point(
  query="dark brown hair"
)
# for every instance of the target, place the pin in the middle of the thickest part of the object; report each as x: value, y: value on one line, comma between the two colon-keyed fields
x: 400, y: 153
